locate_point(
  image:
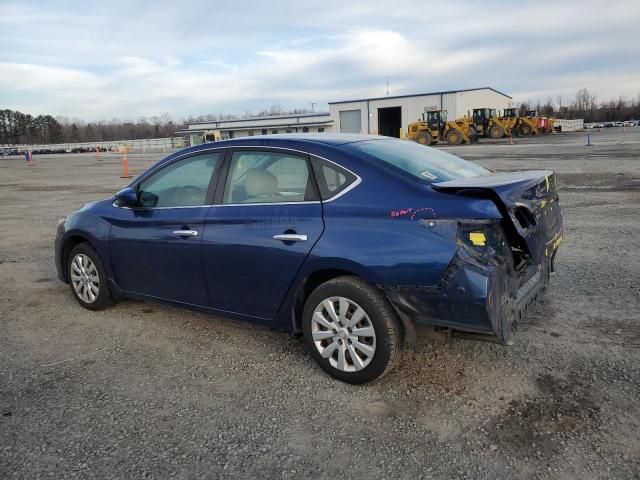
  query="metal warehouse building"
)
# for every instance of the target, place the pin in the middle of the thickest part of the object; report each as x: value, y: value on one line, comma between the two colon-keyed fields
x: 391, y: 115
x: 378, y: 116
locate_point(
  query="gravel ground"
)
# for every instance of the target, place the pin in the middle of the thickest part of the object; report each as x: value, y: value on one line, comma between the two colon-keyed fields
x: 146, y: 390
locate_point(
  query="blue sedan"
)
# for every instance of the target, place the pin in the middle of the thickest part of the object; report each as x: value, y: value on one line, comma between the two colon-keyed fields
x: 350, y: 239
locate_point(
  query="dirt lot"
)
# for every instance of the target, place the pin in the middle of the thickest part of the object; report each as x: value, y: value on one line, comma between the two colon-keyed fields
x: 148, y: 390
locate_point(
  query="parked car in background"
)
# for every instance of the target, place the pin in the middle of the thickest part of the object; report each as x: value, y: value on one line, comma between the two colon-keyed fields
x: 630, y: 123
x: 350, y: 239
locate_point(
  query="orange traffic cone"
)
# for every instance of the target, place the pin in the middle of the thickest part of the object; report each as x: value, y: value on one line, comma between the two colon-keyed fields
x: 97, y: 153
x: 125, y: 165
x: 30, y: 158
x: 510, y: 139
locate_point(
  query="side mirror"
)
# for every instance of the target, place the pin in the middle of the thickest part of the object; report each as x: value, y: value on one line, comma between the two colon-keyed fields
x: 127, y: 197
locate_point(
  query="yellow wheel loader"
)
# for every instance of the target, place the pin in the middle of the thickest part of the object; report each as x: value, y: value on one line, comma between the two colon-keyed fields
x: 539, y: 125
x: 434, y: 127
x: 488, y: 124
x: 428, y: 130
x: 530, y: 124
x: 509, y: 119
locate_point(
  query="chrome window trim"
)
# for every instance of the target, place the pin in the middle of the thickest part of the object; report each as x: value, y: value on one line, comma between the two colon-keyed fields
x: 306, y: 202
x: 353, y: 185
x: 159, y: 208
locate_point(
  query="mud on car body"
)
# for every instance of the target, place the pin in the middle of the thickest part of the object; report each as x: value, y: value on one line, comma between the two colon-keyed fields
x: 349, y: 239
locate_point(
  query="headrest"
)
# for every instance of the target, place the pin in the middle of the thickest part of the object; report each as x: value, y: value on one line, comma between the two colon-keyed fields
x: 260, y: 183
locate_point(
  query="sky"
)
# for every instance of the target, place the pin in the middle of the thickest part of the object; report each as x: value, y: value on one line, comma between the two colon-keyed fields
x: 126, y: 59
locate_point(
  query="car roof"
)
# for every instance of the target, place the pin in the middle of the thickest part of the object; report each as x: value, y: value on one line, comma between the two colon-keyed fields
x: 293, y: 139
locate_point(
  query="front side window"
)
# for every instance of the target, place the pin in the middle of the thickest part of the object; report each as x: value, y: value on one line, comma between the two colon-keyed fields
x: 425, y: 163
x: 267, y: 177
x: 181, y: 184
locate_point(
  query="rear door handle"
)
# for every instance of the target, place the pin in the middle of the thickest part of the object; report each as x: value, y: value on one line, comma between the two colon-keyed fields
x: 186, y: 233
x: 291, y: 237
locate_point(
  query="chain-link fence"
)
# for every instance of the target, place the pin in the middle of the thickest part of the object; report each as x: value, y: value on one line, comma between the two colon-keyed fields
x: 154, y: 145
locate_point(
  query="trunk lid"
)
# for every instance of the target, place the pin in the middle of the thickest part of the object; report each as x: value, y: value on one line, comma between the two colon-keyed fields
x: 528, y: 202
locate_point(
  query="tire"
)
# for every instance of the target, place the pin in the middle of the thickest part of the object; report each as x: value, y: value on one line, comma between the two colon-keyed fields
x: 382, y: 349
x: 496, y: 131
x: 454, y: 137
x: 473, y: 135
x: 86, y: 276
x: 525, y: 130
x: 424, y: 138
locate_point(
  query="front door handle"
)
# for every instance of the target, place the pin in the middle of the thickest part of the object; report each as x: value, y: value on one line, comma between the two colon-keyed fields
x: 186, y: 233
x: 291, y: 237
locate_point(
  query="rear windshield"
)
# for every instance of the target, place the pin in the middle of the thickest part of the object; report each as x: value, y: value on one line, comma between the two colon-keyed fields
x: 422, y: 162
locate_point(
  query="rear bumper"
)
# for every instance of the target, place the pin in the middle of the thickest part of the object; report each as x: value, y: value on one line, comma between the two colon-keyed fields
x: 474, y: 297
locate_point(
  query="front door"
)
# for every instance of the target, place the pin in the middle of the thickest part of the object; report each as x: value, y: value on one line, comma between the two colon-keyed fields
x: 156, y: 246
x: 260, y: 231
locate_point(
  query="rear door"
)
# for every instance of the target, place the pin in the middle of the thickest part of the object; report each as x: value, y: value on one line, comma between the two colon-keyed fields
x: 266, y: 219
x: 156, y: 246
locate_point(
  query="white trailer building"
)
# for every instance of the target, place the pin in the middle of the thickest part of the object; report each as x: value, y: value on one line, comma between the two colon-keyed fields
x: 213, y: 131
x: 392, y: 115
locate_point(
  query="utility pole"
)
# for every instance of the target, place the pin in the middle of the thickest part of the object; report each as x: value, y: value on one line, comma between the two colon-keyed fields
x: 387, y: 86
x: 312, y: 106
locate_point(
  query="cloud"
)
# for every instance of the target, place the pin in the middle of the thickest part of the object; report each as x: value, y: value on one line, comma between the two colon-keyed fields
x: 27, y: 77
x: 98, y: 60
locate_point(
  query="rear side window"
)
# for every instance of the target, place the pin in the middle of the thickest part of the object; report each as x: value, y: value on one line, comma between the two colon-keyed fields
x: 332, y: 179
x: 268, y: 177
x: 180, y: 184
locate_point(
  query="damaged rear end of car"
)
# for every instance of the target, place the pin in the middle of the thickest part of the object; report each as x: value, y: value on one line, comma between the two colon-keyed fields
x: 501, y: 266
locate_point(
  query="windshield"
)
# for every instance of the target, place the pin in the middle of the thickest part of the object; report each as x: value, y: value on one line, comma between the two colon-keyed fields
x: 422, y: 162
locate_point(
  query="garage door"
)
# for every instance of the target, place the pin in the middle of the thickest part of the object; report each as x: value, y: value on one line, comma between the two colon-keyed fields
x: 350, y: 121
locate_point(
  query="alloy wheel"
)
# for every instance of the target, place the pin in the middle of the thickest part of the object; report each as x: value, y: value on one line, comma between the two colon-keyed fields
x: 84, y: 278
x: 343, y: 333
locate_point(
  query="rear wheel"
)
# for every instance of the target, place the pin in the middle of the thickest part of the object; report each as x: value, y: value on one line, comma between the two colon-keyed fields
x: 473, y: 135
x: 424, y: 138
x: 351, y: 330
x: 87, y: 278
x: 525, y: 130
x: 454, y: 137
x: 496, y: 131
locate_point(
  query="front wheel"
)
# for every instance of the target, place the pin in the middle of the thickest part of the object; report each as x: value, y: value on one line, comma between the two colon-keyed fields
x: 424, y: 138
x: 496, y: 131
x: 87, y: 278
x: 454, y: 137
x: 351, y: 330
